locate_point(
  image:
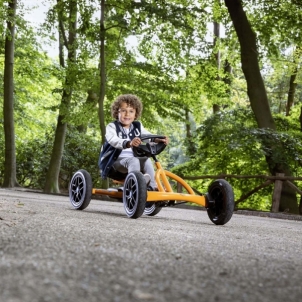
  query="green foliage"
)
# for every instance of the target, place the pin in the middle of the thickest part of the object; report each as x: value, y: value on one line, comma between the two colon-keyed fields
x: 32, y: 160
x: 81, y: 152
x: 230, y: 143
x: 277, y: 76
x: 280, y: 23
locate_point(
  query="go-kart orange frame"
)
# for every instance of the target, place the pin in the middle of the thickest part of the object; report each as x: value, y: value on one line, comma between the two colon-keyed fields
x: 138, y: 199
x: 165, y: 191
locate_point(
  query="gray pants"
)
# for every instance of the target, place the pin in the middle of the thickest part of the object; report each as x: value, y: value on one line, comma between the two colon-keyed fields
x: 129, y: 164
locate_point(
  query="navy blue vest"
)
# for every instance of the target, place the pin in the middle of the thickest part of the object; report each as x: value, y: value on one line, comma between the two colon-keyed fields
x: 110, y: 154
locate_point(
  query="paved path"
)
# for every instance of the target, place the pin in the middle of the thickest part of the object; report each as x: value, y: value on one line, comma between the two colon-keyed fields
x: 50, y: 252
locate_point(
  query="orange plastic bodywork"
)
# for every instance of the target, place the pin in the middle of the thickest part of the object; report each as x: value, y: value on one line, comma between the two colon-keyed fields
x: 165, y: 191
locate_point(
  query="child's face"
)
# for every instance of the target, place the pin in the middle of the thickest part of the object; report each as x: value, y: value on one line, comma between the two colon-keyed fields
x: 126, y: 115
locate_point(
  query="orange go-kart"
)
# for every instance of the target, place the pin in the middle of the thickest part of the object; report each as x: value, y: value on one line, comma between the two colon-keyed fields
x: 138, y: 199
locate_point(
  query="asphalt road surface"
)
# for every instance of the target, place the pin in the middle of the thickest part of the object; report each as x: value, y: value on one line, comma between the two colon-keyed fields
x: 51, y: 252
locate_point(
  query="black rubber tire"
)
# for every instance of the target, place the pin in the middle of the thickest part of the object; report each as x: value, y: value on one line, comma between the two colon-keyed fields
x: 221, y: 192
x: 152, y: 208
x: 134, y: 194
x: 80, y: 190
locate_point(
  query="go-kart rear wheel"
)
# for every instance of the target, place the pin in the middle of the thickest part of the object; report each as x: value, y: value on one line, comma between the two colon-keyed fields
x: 134, y: 194
x: 221, y: 210
x: 80, y: 190
x: 152, y: 208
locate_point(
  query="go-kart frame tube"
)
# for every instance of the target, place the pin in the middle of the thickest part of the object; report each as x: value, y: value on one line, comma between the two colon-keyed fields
x: 165, y: 191
x: 157, y: 196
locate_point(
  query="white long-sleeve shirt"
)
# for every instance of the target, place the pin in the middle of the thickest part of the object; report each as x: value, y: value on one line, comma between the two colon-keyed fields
x: 118, y: 142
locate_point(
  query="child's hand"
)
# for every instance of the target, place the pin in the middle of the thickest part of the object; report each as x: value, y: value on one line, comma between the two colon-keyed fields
x: 162, y: 140
x: 135, y: 142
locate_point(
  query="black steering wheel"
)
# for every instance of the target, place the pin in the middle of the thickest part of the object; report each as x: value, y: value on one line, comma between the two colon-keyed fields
x: 150, y: 148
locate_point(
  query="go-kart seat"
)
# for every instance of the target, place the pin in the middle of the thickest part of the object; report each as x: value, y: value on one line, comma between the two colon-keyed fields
x: 149, y: 149
x: 116, y: 175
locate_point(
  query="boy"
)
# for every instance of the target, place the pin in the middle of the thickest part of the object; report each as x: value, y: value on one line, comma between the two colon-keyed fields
x: 122, y: 134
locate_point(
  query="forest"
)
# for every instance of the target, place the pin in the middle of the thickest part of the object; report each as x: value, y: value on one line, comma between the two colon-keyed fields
x: 222, y: 78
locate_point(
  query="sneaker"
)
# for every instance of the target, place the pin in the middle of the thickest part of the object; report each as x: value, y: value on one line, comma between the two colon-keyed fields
x: 149, y: 188
x: 147, y: 179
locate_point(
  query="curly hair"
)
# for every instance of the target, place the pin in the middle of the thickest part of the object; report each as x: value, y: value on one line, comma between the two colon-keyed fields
x: 131, y: 100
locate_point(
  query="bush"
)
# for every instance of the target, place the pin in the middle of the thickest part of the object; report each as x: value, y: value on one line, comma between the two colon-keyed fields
x: 81, y: 152
x: 230, y: 143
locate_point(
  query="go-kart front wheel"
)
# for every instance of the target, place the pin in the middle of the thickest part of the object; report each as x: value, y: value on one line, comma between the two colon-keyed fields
x: 221, y: 208
x: 80, y: 190
x: 134, y: 194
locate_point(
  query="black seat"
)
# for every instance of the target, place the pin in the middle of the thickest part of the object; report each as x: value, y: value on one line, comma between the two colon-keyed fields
x: 116, y: 175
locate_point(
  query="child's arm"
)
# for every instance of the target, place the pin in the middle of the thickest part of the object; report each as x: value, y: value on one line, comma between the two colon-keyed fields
x: 113, y: 139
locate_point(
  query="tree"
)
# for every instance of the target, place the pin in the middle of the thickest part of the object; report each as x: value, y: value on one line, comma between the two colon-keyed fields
x: 10, y: 179
x: 102, y: 72
x: 69, y: 42
x: 292, y: 82
x: 257, y: 95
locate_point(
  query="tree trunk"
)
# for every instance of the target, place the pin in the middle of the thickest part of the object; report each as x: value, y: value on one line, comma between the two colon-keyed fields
x: 10, y: 179
x: 92, y: 99
x: 250, y: 66
x: 257, y: 94
x: 191, y: 150
x: 291, y: 92
x: 227, y: 68
x: 292, y: 83
x: 104, y: 183
x: 216, y: 107
x: 52, y: 176
x: 102, y: 72
x: 300, y: 119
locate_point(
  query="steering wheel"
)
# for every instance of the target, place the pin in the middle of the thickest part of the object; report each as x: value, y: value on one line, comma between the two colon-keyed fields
x: 150, y: 148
